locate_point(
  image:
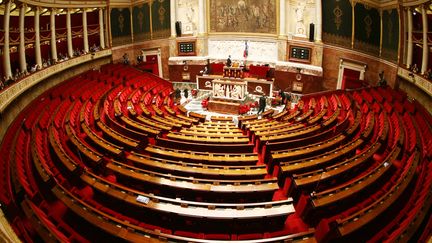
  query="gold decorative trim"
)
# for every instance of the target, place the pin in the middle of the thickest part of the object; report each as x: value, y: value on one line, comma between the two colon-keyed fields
x: 417, y: 80
x: 368, y: 25
x: 381, y: 32
x: 353, y: 3
x: 338, y: 13
x: 66, y: 3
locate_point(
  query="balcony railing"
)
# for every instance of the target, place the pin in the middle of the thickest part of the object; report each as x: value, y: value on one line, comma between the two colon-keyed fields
x: 13, y: 91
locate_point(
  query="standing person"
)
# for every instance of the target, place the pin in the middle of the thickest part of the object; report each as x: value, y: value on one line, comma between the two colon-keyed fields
x: 228, y: 62
x: 262, y: 104
x: 381, y: 81
x: 283, y: 97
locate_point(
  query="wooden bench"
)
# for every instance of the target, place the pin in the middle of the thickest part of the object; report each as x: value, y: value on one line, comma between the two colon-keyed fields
x: 116, y: 137
x: 291, y: 167
x: 211, y: 138
x: 262, y: 188
x: 154, y: 123
x: 92, y: 155
x: 354, y: 222
x: 324, y: 198
x: 64, y: 158
x: 140, y: 127
x: 204, y: 147
x: 198, y: 170
x: 307, y: 180
x: 306, y: 131
x: 203, y: 157
x: 273, y: 210
x: 107, y: 146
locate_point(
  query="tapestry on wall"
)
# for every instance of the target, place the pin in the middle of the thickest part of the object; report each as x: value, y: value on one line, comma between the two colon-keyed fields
x: 367, y: 29
x: 337, y: 22
x: 161, y: 22
x: 390, y: 44
x: 250, y: 16
x: 120, y: 26
x: 141, y: 22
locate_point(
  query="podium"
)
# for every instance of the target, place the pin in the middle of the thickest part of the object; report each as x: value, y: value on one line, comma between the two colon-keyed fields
x: 227, y: 95
x: 233, y: 72
x: 229, y: 90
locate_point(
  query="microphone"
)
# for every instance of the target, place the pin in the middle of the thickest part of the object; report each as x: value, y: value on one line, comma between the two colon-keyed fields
x: 318, y: 182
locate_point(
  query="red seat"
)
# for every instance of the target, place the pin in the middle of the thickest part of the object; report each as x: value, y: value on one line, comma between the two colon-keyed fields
x: 189, y: 234
x: 250, y: 236
x: 217, y: 237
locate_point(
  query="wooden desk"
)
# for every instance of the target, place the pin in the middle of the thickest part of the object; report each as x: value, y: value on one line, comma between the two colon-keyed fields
x: 223, y: 107
x: 190, y: 209
x: 339, y: 193
x: 203, y: 157
x: 260, y: 186
x: 254, y: 85
x: 359, y: 219
x: 198, y: 170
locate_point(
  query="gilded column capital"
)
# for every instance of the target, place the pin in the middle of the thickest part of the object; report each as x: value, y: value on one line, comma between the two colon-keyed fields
x: 36, y: 9
x: 21, y: 5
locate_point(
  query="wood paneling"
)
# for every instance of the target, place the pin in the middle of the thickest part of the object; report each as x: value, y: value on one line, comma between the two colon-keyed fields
x: 284, y: 81
x: 176, y: 72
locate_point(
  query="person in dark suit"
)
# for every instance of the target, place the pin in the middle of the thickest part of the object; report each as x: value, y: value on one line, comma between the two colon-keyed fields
x: 283, y: 97
x: 262, y: 104
x: 228, y: 62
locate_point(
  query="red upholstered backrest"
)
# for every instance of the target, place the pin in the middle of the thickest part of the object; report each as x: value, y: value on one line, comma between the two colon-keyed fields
x: 258, y: 71
x: 216, y: 68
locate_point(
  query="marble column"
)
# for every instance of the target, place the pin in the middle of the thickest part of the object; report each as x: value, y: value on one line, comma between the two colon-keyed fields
x: 53, y: 36
x: 38, y: 55
x: 22, y: 57
x: 318, y: 24
x: 101, y: 29
x: 106, y: 32
x: 425, y: 57
x: 6, y: 51
x: 410, y: 40
x: 69, y: 33
x: 282, y: 20
x: 173, y: 17
x: 85, y: 33
x: 201, y: 18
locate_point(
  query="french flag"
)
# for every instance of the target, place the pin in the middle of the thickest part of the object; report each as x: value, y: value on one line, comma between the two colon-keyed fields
x: 246, y: 51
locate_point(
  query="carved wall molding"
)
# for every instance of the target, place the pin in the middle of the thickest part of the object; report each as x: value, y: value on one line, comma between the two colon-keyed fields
x: 262, y: 51
x: 67, y: 4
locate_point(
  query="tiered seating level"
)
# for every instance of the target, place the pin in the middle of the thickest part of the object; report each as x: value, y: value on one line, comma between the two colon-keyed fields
x: 108, y: 156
